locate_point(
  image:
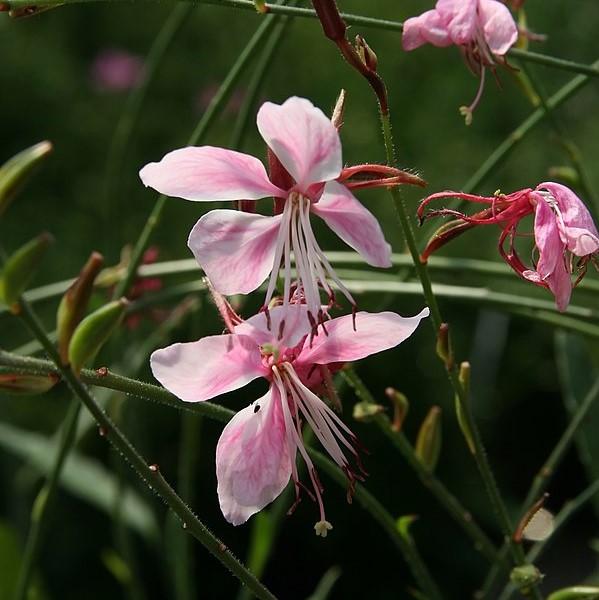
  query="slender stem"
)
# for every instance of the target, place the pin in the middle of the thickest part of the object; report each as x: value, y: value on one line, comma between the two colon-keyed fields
x: 451, y: 504
x: 480, y: 454
x: 568, y: 145
x: 501, y: 152
x: 45, y: 500
x: 151, y: 475
x: 387, y: 522
x: 130, y: 115
x: 216, y: 104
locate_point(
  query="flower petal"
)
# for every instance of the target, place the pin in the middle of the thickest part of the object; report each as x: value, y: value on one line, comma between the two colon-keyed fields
x: 303, y: 139
x: 214, y: 365
x: 460, y: 17
x: 353, y: 223
x: 296, y: 326
x: 547, y: 238
x: 578, y: 230
x: 207, y: 173
x: 374, y: 333
x: 500, y: 29
x: 235, y: 249
x: 253, y: 465
x: 427, y: 27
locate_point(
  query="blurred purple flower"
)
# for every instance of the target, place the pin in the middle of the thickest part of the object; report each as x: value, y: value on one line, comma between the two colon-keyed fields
x: 116, y: 70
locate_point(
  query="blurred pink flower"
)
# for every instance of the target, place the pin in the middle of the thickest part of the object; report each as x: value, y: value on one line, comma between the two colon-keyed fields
x: 206, y: 94
x: 256, y: 453
x: 116, y: 70
x: 563, y: 229
x: 239, y: 250
x: 483, y: 29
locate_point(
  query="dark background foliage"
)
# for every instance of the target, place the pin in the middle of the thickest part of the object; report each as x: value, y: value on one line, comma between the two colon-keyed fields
x: 47, y: 93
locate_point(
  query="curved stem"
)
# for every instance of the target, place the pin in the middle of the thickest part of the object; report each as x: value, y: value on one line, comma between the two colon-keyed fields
x: 43, y: 503
x: 150, y: 474
x: 451, y: 504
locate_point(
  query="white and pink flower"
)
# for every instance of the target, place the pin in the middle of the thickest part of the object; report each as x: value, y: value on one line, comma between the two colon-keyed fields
x: 256, y: 453
x: 240, y: 250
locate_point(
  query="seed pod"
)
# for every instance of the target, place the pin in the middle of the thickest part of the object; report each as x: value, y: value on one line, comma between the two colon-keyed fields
x: 21, y: 267
x: 74, y: 303
x: 464, y: 378
x: 26, y: 384
x: 428, y: 442
x: 524, y: 576
x: 366, y: 411
x: 92, y: 333
x: 15, y: 172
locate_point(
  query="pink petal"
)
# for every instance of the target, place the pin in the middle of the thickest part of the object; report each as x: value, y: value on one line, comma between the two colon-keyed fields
x: 374, y: 333
x: 207, y: 173
x: 461, y: 19
x: 303, y: 139
x: 428, y: 27
x: 547, y: 238
x: 578, y: 230
x: 235, y: 249
x: 500, y: 29
x: 355, y: 225
x: 253, y: 465
x: 288, y: 325
x: 214, y: 365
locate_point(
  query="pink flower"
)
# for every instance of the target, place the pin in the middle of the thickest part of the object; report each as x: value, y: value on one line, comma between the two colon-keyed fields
x: 255, y: 456
x: 483, y: 29
x: 116, y: 70
x: 563, y: 229
x: 239, y: 250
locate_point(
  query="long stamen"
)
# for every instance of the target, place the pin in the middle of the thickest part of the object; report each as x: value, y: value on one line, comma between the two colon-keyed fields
x: 282, y: 240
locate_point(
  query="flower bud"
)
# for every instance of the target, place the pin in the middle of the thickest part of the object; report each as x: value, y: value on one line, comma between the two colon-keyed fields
x: 403, y: 525
x: 577, y: 592
x: 26, y: 384
x: 428, y: 442
x: 20, y: 269
x: 400, y: 407
x: 366, y: 54
x: 464, y: 379
x: 524, y: 576
x: 17, y: 169
x: 73, y: 305
x: 337, y: 116
x: 91, y: 334
x: 366, y: 411
x: 443, y: 347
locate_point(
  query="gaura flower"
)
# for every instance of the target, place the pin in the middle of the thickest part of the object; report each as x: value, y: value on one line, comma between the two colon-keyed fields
x: 116, y: 70
x: 563, y: 229
x: 256, y: 453
x: 239, y: 250
x: 484, y: 30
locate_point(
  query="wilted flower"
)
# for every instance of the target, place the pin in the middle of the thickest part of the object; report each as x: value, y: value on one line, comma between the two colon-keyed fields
x: 239, y: 250
x: 563, y: 229
x: 484, y: 30
x: 255, y: 456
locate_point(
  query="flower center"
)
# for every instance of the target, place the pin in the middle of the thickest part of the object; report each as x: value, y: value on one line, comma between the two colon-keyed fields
x: 312, y: 269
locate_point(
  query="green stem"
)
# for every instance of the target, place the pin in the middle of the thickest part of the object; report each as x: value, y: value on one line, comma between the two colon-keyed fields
x: 451, y: 504
x: 43, y: 503
x: 568, y: 145
x: 216, y: 104
x: 151, y: 475
x: 130, y: 115
x: 501, y: 152
x: 381, y: 515
x: 480, y: 454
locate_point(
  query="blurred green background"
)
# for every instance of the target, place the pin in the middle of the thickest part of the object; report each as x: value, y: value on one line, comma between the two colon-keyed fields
x: 48, y: 92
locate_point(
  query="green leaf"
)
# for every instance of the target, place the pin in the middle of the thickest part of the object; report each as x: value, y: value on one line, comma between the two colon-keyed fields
x: 85, y: 478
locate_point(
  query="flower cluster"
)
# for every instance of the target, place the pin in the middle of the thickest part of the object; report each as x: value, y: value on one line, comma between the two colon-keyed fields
x: 293, y: 342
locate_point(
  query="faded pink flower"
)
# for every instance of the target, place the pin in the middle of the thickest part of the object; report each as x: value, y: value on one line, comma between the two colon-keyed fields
x: 483, y: 29
x: 563, y: 229
x: 256, y: 453
x: 116, y: 70
x: 239, y: 250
